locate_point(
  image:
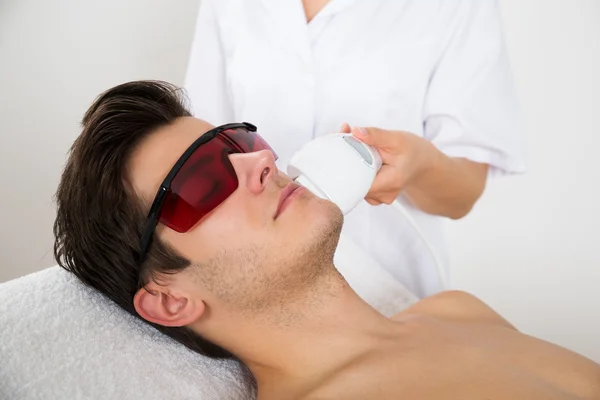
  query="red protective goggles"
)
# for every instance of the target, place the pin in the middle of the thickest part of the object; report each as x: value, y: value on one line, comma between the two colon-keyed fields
x: 201, y: 179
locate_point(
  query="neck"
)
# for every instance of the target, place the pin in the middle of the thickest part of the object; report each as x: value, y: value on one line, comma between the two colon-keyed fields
x: 299, y: 343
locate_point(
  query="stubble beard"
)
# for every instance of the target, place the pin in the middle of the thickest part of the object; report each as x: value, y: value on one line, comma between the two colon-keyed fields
x: 279, y: 286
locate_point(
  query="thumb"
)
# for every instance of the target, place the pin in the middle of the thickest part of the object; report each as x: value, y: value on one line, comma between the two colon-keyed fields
x: 345, y: 128
x: 379, y: 138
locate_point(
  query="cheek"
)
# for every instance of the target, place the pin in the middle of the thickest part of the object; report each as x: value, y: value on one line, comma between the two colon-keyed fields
x: 227, y: 228
x: 311, y: 214
x: 235, y: 219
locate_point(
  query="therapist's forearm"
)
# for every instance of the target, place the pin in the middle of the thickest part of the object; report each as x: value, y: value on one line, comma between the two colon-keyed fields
x: 450, y: 187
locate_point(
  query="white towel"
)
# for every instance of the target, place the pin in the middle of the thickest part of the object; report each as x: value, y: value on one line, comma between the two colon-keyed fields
x: 60, y: 339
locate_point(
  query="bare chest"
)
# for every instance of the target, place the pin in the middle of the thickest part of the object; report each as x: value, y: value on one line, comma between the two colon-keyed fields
x: 453, y: 363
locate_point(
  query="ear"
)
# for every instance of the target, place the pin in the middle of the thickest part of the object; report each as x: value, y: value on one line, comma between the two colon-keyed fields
x: 165, y: 306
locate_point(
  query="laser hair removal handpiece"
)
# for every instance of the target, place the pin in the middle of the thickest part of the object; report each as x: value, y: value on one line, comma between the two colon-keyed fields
x: 341, y: 168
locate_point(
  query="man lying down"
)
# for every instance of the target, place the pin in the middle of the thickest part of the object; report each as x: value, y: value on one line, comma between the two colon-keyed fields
x: 193, y: 229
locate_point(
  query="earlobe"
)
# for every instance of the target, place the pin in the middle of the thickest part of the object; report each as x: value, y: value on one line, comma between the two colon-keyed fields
x: 161, y: 307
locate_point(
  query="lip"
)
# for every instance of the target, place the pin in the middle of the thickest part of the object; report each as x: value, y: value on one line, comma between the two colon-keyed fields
x: 287, y: 191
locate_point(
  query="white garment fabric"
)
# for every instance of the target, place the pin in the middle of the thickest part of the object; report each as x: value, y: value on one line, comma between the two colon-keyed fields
x: 436, y: 68
x: 60, y: 339
x: 370, y: 281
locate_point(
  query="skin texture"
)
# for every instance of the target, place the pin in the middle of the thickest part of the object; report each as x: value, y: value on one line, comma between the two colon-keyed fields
x: 266, y: 289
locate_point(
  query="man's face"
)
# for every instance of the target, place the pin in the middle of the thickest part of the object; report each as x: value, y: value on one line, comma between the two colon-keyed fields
x: 258, y: 245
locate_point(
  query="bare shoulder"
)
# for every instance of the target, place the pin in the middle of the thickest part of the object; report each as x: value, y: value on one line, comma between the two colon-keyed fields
x: 457, y: 306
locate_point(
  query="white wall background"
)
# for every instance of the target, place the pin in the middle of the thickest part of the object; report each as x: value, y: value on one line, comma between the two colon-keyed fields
x: 530, y: 248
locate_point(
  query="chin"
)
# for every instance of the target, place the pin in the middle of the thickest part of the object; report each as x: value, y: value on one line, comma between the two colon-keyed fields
x: 315, y: 228
x: 333, y: 214
x: 325, y: 226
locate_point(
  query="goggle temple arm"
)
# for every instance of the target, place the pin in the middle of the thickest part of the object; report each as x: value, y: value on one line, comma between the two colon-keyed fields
x: 152, y: 221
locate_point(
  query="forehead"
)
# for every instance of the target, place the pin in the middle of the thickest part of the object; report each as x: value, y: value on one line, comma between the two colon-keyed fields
x: 156, y: 154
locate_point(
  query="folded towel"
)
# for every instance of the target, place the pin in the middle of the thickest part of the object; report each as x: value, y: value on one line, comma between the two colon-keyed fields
x: 60, y: 339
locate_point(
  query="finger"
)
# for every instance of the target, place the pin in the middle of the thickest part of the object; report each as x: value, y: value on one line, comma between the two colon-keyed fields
x: 388, y: 198
x: 380, y: 138
x: 387, y: 180
x: 372, y: 201
x: 381, y: 198
x: 345, y: 128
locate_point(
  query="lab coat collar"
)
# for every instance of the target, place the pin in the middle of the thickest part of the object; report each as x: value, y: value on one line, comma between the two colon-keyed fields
x: 291, y: 22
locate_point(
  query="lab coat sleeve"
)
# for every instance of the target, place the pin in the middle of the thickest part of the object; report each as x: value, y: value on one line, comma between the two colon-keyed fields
x: 471, y: 108
x: 205, y: 75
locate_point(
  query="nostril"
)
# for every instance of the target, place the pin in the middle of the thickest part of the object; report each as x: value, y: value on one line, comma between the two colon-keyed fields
x: 265, y: 172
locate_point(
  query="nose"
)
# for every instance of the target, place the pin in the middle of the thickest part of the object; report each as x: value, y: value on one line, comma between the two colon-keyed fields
x: 255, y: 169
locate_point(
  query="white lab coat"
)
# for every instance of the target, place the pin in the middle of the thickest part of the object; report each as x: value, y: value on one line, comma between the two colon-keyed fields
x: 436, y: 68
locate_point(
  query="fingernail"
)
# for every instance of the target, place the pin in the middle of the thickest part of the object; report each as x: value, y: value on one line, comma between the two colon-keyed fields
x: 362, y: 131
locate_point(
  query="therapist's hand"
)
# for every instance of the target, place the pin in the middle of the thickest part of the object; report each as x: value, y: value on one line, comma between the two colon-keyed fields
x: 432, y: 181
x: 405, y: 158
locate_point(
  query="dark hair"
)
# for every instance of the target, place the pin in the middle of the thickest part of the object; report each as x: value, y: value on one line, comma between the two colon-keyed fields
x: 99, y: 217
